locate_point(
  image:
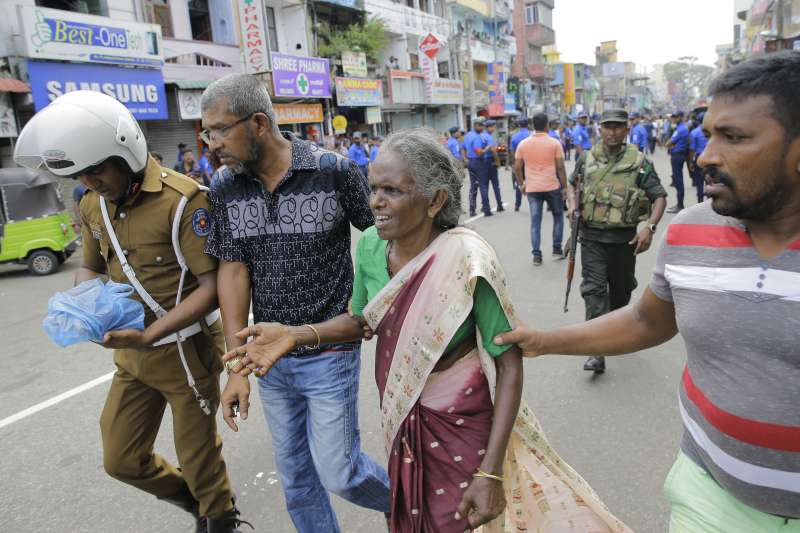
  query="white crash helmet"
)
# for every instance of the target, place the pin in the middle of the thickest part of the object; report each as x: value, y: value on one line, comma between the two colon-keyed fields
x: 78, y: 130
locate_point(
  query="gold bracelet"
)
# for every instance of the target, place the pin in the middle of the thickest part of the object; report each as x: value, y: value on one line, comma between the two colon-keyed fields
x: 230, y: 363
x: 481, y: 473
x: 315, y: 333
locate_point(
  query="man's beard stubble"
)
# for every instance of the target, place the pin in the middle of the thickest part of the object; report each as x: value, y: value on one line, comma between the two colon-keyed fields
x: 766, y: 205
x: 254, y: 154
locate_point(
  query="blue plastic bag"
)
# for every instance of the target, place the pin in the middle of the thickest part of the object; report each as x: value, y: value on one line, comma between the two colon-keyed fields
x: 87, y: 311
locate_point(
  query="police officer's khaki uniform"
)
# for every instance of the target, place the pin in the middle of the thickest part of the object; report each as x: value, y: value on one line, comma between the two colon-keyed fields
x: 148, y: 379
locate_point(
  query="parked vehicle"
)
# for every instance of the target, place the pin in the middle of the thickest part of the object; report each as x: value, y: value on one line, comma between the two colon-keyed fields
x: 35, y: 226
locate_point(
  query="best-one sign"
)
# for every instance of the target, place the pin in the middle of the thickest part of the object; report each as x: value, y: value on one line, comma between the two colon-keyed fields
x: 68, y: 36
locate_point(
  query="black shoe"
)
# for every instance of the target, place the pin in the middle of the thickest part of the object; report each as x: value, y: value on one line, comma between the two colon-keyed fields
x: 595, y: 364
x: 489, y: 214
x: 558, y: 253
x: 675, y: 209
x: 184, y: 499
x: 501, y: 209
x: 516, y: 209
x: 227, y: 523
x: 537, y: 260
x: 472, y: 213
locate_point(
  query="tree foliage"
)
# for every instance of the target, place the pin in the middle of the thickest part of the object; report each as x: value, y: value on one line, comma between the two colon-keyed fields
x: 691, y: 80
x: 368, y: 37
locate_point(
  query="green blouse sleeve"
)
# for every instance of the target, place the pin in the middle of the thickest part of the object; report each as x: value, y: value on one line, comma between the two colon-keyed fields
x: 359, y: 299
x: 490, y: 317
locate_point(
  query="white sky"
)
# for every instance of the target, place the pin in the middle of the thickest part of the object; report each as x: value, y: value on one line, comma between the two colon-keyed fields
x: 647, y: 31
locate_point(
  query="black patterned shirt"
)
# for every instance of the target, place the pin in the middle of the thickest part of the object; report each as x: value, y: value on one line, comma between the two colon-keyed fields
x: 295, y: 241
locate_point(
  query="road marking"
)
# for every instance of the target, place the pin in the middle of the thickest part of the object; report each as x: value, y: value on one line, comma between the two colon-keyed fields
x: 55, y: 399
x: 476, y: 217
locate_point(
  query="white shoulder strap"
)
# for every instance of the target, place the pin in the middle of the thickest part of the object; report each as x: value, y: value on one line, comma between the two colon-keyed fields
x: 127, y: 269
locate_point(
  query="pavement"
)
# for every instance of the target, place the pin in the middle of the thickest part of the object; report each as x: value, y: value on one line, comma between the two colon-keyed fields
x: 620, y: 430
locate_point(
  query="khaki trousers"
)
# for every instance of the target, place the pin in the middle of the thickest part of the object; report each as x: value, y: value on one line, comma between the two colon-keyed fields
x: 146, y: 381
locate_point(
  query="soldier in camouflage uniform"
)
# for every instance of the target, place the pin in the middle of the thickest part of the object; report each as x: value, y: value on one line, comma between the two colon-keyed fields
x: 619, y: 188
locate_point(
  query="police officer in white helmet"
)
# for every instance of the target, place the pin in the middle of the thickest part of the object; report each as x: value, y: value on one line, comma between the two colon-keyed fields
x: 146, y: 226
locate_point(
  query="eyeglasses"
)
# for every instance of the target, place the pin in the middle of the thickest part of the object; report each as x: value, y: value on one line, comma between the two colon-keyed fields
x: 216, y: 134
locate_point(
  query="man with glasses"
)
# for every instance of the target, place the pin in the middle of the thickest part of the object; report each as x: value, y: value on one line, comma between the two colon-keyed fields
x: 92, y: 137
x: 281, y: 214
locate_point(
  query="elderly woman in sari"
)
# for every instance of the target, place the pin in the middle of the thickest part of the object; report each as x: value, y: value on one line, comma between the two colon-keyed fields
x: 460, y: 448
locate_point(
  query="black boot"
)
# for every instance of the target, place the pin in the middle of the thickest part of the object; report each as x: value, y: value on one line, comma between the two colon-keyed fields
x: 186, y: 501
x: 595, y: 364
x: 227, y: 523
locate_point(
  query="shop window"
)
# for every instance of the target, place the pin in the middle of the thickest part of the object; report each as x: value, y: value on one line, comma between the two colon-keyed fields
x: 157, y: 12
x: 444, y: 69
x: 272, y: 30
x: 423, y: 6
x: 200, y: 20
x: 91, y: 7
x: 413, y: 60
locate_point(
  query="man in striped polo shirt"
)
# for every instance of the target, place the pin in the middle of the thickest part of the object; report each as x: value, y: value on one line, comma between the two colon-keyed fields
x: 728, y: 278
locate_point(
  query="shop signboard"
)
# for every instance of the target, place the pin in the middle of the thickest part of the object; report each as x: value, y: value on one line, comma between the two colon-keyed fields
x: 446, y: 91
x: 354, y: 64
x: 497, y: 89
x: 301, y: 76
x: 374, y: 115
x: 430, y: 46
x: 141, y: 90
x: 298, y: 113
x: 69, y: 36
x: 254, y: 36
x: 339, y: 124
x: 356, y: 92
x: 569, y: 85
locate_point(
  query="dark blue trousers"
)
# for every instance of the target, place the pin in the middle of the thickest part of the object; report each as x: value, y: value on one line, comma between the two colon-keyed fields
x: 698, y: 179
x: 493, y: 179
x: 478, y: 180
x: 678, y: 160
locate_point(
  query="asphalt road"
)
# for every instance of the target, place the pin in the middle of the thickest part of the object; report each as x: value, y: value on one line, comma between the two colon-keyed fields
x: 619, y: 430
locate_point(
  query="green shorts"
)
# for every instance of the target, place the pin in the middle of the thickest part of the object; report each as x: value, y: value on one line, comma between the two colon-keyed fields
x: 700, y: 505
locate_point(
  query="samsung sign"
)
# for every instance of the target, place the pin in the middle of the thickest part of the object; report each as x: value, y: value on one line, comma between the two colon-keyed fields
x: 140, y: 89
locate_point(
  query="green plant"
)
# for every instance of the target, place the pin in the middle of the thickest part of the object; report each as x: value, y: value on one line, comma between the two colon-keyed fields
x: 368, y: 37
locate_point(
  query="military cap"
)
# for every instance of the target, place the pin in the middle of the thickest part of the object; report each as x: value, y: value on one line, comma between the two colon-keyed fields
x: 453, y: 130
x: 490, y: 122
x: 614, y: 115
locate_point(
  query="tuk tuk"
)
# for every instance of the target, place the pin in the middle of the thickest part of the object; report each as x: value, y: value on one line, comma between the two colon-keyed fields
x: 35, y: 226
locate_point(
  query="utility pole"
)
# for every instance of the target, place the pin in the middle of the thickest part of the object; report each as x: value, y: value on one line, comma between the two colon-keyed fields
x: 471, y: 69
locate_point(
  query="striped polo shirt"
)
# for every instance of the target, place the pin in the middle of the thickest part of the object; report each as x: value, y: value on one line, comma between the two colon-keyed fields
x: 739, y: 316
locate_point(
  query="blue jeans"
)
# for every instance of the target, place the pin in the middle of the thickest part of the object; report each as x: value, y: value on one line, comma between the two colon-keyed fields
x: 556, y: 205
x: 311, y: 406
x: 678, y: 160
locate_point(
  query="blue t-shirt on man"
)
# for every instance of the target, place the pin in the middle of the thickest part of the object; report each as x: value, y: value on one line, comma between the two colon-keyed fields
x: 490, y: 143
x: 638, y: 137
x: 697, y: 140
x: 373, y: 153
x: 680, y: 139
x: 455, y: 147
x: 518, y: 137
x: 580, y: 137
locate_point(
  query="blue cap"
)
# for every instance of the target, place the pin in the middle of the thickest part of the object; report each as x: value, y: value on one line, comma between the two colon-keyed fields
x: 453, y: 130
x: 490, y: 122
x: 678, y: 114
x: 635, y: 114
x: 522, y: 121
x: 583, y: 114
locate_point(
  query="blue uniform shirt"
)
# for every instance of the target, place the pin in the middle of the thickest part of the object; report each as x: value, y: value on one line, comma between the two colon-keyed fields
x: 638, y: 137
x: 358, y: 155
x: 455, y: 147
x: 680, y: 139
x: 373, y: 153
x: 490, y: 143
x: 580, y: 137
x: 473, y: 140
x: 648, y: 126
x: 697, y: 141
x: 518, y: 137
x: 554, y: 134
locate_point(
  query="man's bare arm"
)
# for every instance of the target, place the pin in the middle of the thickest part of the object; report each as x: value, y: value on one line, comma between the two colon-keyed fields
x: 647, y: 323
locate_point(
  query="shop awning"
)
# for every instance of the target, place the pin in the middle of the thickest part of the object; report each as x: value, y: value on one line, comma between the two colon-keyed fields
x: 191, y: 84
x: 12, y: 85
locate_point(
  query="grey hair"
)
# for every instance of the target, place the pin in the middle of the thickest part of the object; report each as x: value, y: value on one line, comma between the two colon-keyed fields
x: 245, y: 94
x: 433, y: 169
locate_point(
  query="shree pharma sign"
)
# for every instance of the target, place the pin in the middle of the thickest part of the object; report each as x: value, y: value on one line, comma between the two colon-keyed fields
x: 68, y: 36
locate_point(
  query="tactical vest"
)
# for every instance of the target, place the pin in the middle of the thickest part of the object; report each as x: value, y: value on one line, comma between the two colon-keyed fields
x: 610, y: 196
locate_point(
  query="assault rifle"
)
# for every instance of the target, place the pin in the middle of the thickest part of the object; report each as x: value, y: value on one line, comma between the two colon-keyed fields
x: 572, y: 248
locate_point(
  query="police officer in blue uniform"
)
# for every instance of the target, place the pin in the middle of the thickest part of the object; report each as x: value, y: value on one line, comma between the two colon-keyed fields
x: 517, y: 138
x: 475, y: 147
x: 580, y: 135
x: 678, y: 147
x: 492, y: 162
x: 697, y: 143
x: 358, y: 154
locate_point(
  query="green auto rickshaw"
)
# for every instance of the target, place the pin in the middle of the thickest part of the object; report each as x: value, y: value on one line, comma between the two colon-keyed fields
x: 35, y: 226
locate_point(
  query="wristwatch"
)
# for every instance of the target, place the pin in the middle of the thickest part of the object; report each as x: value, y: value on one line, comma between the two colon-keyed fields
x: 652, y: 228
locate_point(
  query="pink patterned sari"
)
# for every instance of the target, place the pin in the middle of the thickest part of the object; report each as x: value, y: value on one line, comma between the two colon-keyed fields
x: 436, y: 424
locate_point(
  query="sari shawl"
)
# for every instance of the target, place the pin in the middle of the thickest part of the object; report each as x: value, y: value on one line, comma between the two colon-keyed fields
x: 436, y: 425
